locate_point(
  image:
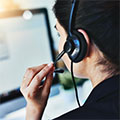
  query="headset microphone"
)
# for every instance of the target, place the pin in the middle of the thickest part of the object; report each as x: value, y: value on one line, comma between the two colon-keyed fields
x: 67, y: 49
x: 59, y: 70
x: 59, y: 56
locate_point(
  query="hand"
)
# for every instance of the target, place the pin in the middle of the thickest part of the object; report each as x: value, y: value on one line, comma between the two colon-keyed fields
x: 36, y: 94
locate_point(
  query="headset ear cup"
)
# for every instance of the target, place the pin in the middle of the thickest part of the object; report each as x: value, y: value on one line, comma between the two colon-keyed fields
x: 83, y: 46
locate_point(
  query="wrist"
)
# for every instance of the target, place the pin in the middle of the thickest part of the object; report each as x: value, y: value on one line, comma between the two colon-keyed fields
x: 33, y: 112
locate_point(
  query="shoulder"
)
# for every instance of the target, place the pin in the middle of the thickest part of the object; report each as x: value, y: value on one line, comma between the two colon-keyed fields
x: 102, y: 103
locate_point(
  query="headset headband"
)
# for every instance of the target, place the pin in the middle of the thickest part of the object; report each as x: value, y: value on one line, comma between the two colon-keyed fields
x: 70, y: 19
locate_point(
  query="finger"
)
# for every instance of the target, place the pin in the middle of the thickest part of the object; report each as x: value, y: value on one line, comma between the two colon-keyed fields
x: 30, y: 73
x: 48, y: 83
x: 35, y: 83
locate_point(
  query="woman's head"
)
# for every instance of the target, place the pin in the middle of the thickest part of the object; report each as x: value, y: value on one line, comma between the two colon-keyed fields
x: 99, y: 23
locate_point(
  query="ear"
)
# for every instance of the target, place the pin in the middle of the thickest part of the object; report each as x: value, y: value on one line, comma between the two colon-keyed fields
x: 87, y: 39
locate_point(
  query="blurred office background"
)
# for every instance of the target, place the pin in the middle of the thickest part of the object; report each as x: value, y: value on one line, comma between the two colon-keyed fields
x: 6, y: 5
x: 65, y: 100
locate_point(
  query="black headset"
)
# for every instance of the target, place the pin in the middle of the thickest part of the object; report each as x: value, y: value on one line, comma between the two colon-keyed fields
x: 75, y: 45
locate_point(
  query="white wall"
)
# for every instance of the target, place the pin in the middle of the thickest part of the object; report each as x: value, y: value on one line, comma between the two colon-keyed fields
x: 25, y: 4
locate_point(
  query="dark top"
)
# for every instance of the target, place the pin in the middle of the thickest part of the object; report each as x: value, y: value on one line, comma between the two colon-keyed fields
x: 102, y: 103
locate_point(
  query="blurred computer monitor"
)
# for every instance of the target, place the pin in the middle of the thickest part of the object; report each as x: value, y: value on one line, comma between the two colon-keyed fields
x: 25, y: 41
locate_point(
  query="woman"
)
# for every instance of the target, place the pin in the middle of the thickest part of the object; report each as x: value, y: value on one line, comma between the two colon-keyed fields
x: 98, y: 22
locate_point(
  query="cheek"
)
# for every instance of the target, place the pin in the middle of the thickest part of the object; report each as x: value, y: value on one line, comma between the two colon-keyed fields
x: 61, y: 44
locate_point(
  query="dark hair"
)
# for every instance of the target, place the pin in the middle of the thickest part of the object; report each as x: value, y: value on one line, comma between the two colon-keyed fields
x: 100, y: 19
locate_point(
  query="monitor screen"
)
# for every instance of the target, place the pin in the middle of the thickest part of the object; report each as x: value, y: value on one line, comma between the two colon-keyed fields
x: 25, y: 42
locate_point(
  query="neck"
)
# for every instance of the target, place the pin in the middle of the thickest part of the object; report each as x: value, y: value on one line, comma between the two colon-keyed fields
x: 94, y: 72
x: 96, y: 75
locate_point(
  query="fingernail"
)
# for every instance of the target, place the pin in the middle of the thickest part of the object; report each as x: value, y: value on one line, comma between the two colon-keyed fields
x: 50, y: 64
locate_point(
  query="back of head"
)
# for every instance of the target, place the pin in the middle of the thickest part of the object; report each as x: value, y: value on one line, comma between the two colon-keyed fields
x: 100, y: 19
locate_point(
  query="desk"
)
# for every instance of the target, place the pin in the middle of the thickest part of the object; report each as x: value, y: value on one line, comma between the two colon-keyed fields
x: 57, y: 105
